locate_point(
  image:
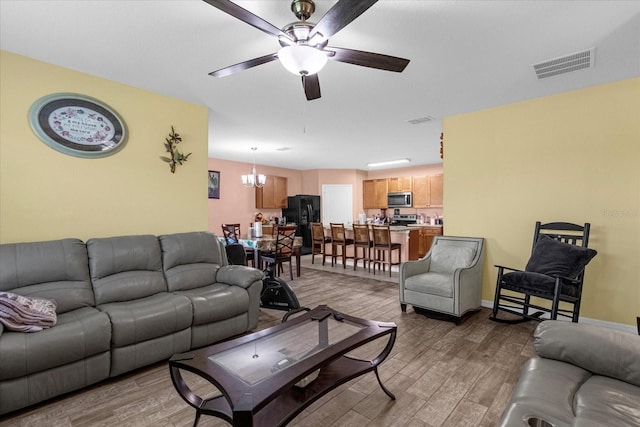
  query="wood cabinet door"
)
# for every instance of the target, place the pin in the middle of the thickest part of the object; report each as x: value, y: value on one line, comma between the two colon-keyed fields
x: 420, y: 191
x: 381, y: 193
x: 404, y: 183
x: 414, y: 244
x: 280, y: 192
x: 273, y: 195
x: 436, y: 191
x: 426, y: 239
x: 368, y: 194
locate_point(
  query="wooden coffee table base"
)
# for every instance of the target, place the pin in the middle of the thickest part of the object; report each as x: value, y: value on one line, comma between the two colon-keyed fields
x: 253, y: 406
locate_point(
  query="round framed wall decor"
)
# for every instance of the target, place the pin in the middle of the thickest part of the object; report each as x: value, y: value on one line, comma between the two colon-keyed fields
x: 77, y: 125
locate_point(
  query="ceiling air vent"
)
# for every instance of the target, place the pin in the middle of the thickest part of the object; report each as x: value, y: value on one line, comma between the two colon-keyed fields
x: 420, y: 120
x: 565, y: 64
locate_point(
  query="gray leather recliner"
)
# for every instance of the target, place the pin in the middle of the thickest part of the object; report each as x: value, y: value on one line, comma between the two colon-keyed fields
x: 76, y: 351
x: 583, y: 375
x: 448, y: 280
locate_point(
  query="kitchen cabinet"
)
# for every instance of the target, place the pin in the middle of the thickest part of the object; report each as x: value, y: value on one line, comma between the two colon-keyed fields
x: 425, y: 239
x: 400, y: 184
x: 427, y: 191
x: 273, y: 195
x: 374, y: 193
x: 414, y: 244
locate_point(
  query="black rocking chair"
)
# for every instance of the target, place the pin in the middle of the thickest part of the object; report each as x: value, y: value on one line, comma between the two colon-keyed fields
x: 555, y: 272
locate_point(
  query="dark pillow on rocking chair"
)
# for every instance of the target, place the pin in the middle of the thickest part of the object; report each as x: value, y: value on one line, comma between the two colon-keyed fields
x: 555, y: 258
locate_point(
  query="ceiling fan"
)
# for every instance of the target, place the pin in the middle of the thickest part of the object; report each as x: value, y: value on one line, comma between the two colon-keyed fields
x: 304, y: 50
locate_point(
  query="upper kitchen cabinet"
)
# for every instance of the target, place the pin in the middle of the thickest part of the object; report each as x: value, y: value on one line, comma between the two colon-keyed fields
x: 273, y: 195
x: 374, y: 193
x: 404, y: 183
x: 427, y: 191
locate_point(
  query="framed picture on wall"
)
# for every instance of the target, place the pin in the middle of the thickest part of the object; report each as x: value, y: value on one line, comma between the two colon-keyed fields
x: 214, y: 185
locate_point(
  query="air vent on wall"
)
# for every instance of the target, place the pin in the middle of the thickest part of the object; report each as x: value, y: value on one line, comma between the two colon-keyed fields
x: 565, y: 64
x: 420, y: 120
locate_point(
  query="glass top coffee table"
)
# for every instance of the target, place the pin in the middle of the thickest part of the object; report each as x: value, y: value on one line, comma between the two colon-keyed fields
x: 268, y: 377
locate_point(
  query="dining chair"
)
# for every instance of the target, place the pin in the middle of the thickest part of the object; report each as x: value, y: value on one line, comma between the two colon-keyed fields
x: 231, y: 234
x: 283, y: 250
x: 382, y: 246
x: 339, y: 240
x: 319, y: 242
x: 362, y: 240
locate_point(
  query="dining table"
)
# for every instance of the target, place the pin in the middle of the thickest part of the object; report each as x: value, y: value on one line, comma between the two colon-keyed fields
x: 267, y: 244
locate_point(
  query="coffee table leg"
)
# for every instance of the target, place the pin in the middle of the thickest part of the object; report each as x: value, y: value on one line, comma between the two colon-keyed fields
x: 381, y: 357
x: 391, y: 395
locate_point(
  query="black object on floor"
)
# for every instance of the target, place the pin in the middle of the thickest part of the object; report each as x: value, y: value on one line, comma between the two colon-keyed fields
x: 276, y: 293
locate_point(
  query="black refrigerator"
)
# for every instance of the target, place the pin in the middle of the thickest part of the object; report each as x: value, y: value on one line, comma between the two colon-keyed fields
x: 303, y: 209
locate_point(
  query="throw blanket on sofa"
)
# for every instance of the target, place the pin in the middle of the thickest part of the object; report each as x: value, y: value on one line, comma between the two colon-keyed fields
x: 26, y: 314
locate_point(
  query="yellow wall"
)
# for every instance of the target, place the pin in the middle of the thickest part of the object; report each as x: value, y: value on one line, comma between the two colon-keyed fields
x: 571, y: 157
x: 46, y: 195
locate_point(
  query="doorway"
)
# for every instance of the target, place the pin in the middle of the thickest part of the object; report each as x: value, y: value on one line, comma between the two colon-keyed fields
x: 337, y: 203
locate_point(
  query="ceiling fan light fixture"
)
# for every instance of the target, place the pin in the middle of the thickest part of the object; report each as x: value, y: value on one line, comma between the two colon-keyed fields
x: 302, y: 60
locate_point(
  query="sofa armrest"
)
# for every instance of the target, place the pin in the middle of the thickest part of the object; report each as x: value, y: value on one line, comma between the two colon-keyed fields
x: 597, y: 349
x: 238, y: 275
x: 413, y: 268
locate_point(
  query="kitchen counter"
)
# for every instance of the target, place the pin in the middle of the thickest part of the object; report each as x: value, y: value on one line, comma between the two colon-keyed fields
x: 425, y: 225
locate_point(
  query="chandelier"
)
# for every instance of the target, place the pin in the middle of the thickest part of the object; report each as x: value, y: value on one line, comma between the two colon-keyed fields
x: 254, y: 180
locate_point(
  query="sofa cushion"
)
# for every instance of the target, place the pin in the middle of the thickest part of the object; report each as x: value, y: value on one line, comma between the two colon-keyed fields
x: 546, y: 388
x: 78, y: 335
x: 431, y: 283
x: 147, y: 318
x: 125, y: 268
x: 217, y: 302
x: 555, y: 258
x: 447, y: 258
x: 190, y: 260
x: 535, y: 282
x: 603, y: 401
x: 56, y: 270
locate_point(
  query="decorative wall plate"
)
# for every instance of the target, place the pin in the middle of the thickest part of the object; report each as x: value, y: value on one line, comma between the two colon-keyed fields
x: 77, y: 125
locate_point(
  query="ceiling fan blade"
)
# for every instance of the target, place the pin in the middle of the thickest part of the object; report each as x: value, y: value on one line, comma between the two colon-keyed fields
x: 339, y: 16
x: 311, y: 86
x: 245, y: 16
x: 244, y: 65
x: 367, y: 59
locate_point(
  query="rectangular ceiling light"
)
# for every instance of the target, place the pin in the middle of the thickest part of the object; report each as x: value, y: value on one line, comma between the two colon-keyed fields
x: 565, y: 64
x: 388, y: 162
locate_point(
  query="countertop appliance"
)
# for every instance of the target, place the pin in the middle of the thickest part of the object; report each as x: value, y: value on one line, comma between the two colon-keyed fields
x: 404, y: 219
x: 400, y: 200
x: 303, y: 209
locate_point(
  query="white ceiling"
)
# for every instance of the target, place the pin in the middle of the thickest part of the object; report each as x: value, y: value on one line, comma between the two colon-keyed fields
x: 465, y: 56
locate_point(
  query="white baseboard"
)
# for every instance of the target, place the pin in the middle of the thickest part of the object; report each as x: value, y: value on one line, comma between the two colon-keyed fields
x: 611, y: 325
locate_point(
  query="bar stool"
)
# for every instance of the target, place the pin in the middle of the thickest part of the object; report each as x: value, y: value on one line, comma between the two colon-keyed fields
x: 382, y: 245
x: 319, y: 242
x: 339, y: 240
x: 362, y: 240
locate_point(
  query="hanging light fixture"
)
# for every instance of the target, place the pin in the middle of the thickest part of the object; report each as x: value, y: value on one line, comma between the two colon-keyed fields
x: 302, y: 60
x: 254, y: 180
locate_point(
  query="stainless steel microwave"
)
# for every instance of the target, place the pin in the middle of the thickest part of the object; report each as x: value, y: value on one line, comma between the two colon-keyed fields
x: 400, y: 200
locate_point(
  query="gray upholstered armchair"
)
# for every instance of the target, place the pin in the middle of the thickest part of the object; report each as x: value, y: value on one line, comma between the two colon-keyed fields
x: 447, y: 282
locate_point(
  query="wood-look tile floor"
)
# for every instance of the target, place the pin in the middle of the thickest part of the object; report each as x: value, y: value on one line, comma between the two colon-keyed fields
x: 441, y: 374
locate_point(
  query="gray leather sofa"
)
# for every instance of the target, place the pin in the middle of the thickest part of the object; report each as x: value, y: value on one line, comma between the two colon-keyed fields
x: 584, y: 375
x: 122, y: 303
